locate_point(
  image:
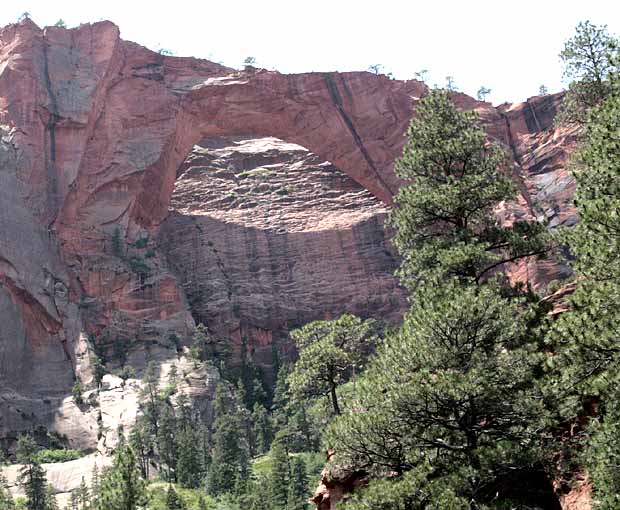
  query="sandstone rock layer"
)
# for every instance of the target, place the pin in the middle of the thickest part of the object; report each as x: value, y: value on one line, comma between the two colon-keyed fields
x: 265, y: 237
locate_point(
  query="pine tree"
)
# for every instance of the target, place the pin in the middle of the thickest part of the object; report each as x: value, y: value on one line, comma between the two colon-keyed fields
x: 121, y: 486
x: 32, y: 475
x: 252, y: 380
x: 94, y: 487
x: 84, y: 495
x: 262, y: 429
x: 298, y: 486
x: 189, y: 466
x: 202, y: 347
x: 588, y: 335
x: 260, y: 394
x: 483, y: 92
x: 153, y: 436
x: 202, y: 503
x: 449, y: 406
x: 184, y: 410
x: 6, y: 499
x: 50, y: 499
x: 329, y: 354
x: 204, y: 447
x: 279, y: 477
x: 239, y: 393
x: 150, y: 399
x: 74, y: 500
x: 173, y: 500
x: 222, y: 401
x: 241, y: 484
x: 254, y: 497
x: 99, y: 370
x: 589, y: 58
x: 290, y: 416
x: 602, y: 453
x: 171, y: 387
x: 281, y: 397
x: 229, y: 455
x: 77, y: 392
x: 304, y: 433
x: 415, y: 490
x: 453, y: 389
x: 166, y: 441
x: 244, y: 418
x: 444, y: 221
x: 142, y: 445
x: 587, y: 339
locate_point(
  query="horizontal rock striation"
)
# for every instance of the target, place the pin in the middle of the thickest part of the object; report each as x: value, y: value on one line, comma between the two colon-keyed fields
x: 265, y: 237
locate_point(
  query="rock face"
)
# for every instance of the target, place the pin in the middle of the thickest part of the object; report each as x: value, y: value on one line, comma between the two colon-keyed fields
x: 332, y: 489
x: 140, y: 193
x: 265, y: 237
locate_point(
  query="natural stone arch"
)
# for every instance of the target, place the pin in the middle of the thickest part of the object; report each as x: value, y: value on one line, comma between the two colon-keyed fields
x: 343, y: 118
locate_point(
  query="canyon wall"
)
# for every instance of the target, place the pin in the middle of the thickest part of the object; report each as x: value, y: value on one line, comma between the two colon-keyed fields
x: 142, y: 193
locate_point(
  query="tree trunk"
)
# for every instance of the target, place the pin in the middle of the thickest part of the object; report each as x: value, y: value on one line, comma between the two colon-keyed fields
x: 334, y: 397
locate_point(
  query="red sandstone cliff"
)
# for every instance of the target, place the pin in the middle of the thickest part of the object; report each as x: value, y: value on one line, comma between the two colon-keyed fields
x: 252, y: 201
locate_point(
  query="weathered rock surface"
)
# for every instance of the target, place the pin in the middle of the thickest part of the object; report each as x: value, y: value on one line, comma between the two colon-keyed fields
x: 265, y: 237
x: 579, y: 497
x: 332, y: 489
x: 94, y: 132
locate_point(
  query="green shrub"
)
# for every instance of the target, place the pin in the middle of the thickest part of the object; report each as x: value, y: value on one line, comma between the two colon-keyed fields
x: 117, y: 243
x: 127, y: 372
x: 142, y: 242
x: 120, y: 350
x: 287, y: 190
x: 84, y: 302
x: 139, y: 267
x: 554, y: 286
x: 99, y: 369
x: 77, y: 392
x: 175, y: 341
x: 50, y: 456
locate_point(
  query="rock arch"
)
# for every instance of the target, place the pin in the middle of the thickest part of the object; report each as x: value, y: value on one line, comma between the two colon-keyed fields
x: 92, y: 132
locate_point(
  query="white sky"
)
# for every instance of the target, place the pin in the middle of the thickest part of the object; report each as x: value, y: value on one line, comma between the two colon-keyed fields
x: 508, y: 46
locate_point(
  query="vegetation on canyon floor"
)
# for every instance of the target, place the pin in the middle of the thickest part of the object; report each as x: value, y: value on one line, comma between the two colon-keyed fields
x: 477, y: 401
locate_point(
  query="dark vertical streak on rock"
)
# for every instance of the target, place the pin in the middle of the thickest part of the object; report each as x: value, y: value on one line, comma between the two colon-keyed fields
x: 337, y: 100
x: 533, y: 125
x: 50, y: 153
x: 345, y: 87
x: 515, y: 157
